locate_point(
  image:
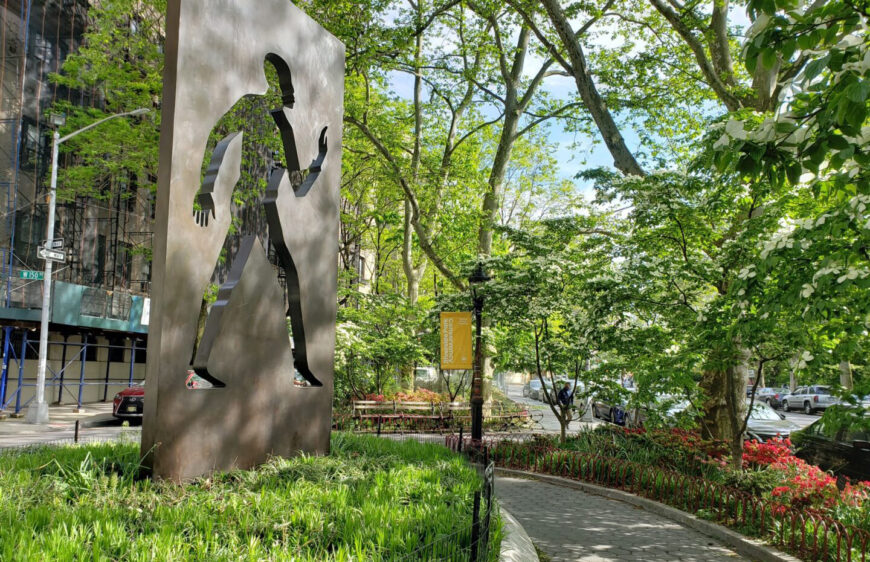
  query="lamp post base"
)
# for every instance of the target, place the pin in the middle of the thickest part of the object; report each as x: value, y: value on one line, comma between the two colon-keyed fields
x: 37, y: 413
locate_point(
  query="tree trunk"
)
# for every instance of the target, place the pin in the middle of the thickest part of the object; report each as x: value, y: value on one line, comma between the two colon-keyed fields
x: 846, y: 375
x: 414, y: 274
x: 792, y: 379
x: 725, y: 408
x: 512, y: 114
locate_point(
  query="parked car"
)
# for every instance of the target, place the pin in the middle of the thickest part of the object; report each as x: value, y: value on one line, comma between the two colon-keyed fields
x: 843, y: 451
x: 766, y: 423
x: 532, y: 388
x: 426, y: 374
x: 771, y: 396
x: 129, y: 403
x: 545, y: 392
x: 809, y: 399
x: 612, y: 413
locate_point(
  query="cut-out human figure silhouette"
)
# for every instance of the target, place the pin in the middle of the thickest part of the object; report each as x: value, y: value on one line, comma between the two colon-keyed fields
x: 215, y: 53
x: 285, y: 185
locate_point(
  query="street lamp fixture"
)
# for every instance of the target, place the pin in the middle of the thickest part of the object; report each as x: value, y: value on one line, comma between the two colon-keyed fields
x: 475, y: 280
x: 37, y: 412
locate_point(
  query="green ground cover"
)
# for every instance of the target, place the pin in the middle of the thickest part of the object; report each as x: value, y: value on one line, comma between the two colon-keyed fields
x: 370, y: 499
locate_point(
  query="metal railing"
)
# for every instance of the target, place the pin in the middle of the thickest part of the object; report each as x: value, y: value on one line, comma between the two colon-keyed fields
x: 474, y: 543
x: 805, y: 533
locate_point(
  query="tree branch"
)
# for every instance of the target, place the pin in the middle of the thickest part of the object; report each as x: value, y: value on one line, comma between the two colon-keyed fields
x: 425, y: 242
x: 713, y: 80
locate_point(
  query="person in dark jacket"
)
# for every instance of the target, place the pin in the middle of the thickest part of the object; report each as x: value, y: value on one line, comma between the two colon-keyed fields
x: 565, y: 396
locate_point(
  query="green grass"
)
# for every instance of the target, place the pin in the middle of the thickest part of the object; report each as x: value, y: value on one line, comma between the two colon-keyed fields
x: 370, y: 499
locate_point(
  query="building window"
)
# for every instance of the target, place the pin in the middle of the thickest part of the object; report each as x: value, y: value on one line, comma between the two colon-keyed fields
x: 91, y: 351
x: 94, y: 255
x: 34, y: 147
x: 116, y: 350
x: 123, y: 264
x: 132, y: 195
x: 362, y: 271
x: 141, y: 352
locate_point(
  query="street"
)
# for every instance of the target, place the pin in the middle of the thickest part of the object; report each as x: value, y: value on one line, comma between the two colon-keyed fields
x: 95, y: 424
x: 550, y: 424
x: 802, y: 420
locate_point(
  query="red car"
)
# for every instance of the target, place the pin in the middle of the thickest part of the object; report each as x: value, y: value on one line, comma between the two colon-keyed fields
x: 128, y: 404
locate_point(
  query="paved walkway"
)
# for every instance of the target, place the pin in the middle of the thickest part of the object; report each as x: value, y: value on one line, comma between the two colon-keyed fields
x: 569, y: 524
x: 96, y: 424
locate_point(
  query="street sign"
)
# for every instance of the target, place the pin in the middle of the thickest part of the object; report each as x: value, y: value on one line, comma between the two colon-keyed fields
x: 56, y: 244
x: 53, y: 255
x: 34, y: 275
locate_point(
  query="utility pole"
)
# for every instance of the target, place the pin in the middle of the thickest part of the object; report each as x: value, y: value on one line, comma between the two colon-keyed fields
x: 37, y: 412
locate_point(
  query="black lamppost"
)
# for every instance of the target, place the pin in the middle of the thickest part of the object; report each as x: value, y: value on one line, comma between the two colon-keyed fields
x: 477, y: 277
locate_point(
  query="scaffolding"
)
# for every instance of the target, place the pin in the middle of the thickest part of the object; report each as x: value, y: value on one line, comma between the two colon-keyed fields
x: 106, y: 239
x: 36, y: 36
x: 86, y: 371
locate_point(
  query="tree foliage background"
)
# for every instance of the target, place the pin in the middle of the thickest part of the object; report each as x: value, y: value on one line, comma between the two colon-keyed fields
x: 723, y: 234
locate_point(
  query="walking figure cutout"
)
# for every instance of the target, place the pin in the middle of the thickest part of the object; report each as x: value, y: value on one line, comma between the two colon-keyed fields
x: 215, y: 55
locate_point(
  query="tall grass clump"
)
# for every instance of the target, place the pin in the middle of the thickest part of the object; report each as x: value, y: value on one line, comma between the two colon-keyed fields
x: 370, y: 499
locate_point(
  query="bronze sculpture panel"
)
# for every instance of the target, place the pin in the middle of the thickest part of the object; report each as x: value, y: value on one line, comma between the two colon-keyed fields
x: 215, y: 55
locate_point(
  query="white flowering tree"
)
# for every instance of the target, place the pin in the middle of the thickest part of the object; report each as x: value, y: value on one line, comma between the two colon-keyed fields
x: 693, y: 235
x: 814, y: 148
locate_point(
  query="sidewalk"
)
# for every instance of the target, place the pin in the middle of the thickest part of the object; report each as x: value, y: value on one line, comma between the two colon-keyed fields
x: 570, y: 525
x: 96, y: 424
x: 549, y: 423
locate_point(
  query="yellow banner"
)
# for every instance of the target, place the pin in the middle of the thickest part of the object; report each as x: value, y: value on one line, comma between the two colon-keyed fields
x: 456, y: 340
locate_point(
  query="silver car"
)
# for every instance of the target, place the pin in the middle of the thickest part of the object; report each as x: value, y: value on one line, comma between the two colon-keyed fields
x: 809, y: 399
x: 531, y: 388
x: 766, y: 423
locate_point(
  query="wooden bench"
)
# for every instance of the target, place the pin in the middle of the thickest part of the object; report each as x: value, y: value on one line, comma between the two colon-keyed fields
x: 437, y: 414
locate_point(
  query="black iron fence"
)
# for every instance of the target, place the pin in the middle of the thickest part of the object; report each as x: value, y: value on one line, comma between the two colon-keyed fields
x: 475, y: 543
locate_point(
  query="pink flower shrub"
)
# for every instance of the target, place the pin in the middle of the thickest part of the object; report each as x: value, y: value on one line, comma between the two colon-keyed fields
x: 805, y: 485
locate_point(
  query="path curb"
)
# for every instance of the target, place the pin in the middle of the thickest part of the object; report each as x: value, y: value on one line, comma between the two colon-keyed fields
x: 750, y: 548
x: 516, y: 546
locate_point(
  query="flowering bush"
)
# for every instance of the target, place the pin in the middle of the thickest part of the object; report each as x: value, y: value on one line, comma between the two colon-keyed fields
x: 419, y: 395
x: 803, y: 485
x: 770, y: 469
x: 774, y: 451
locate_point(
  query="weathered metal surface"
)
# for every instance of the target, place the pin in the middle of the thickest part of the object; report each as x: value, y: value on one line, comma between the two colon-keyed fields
x: 215, y: 55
